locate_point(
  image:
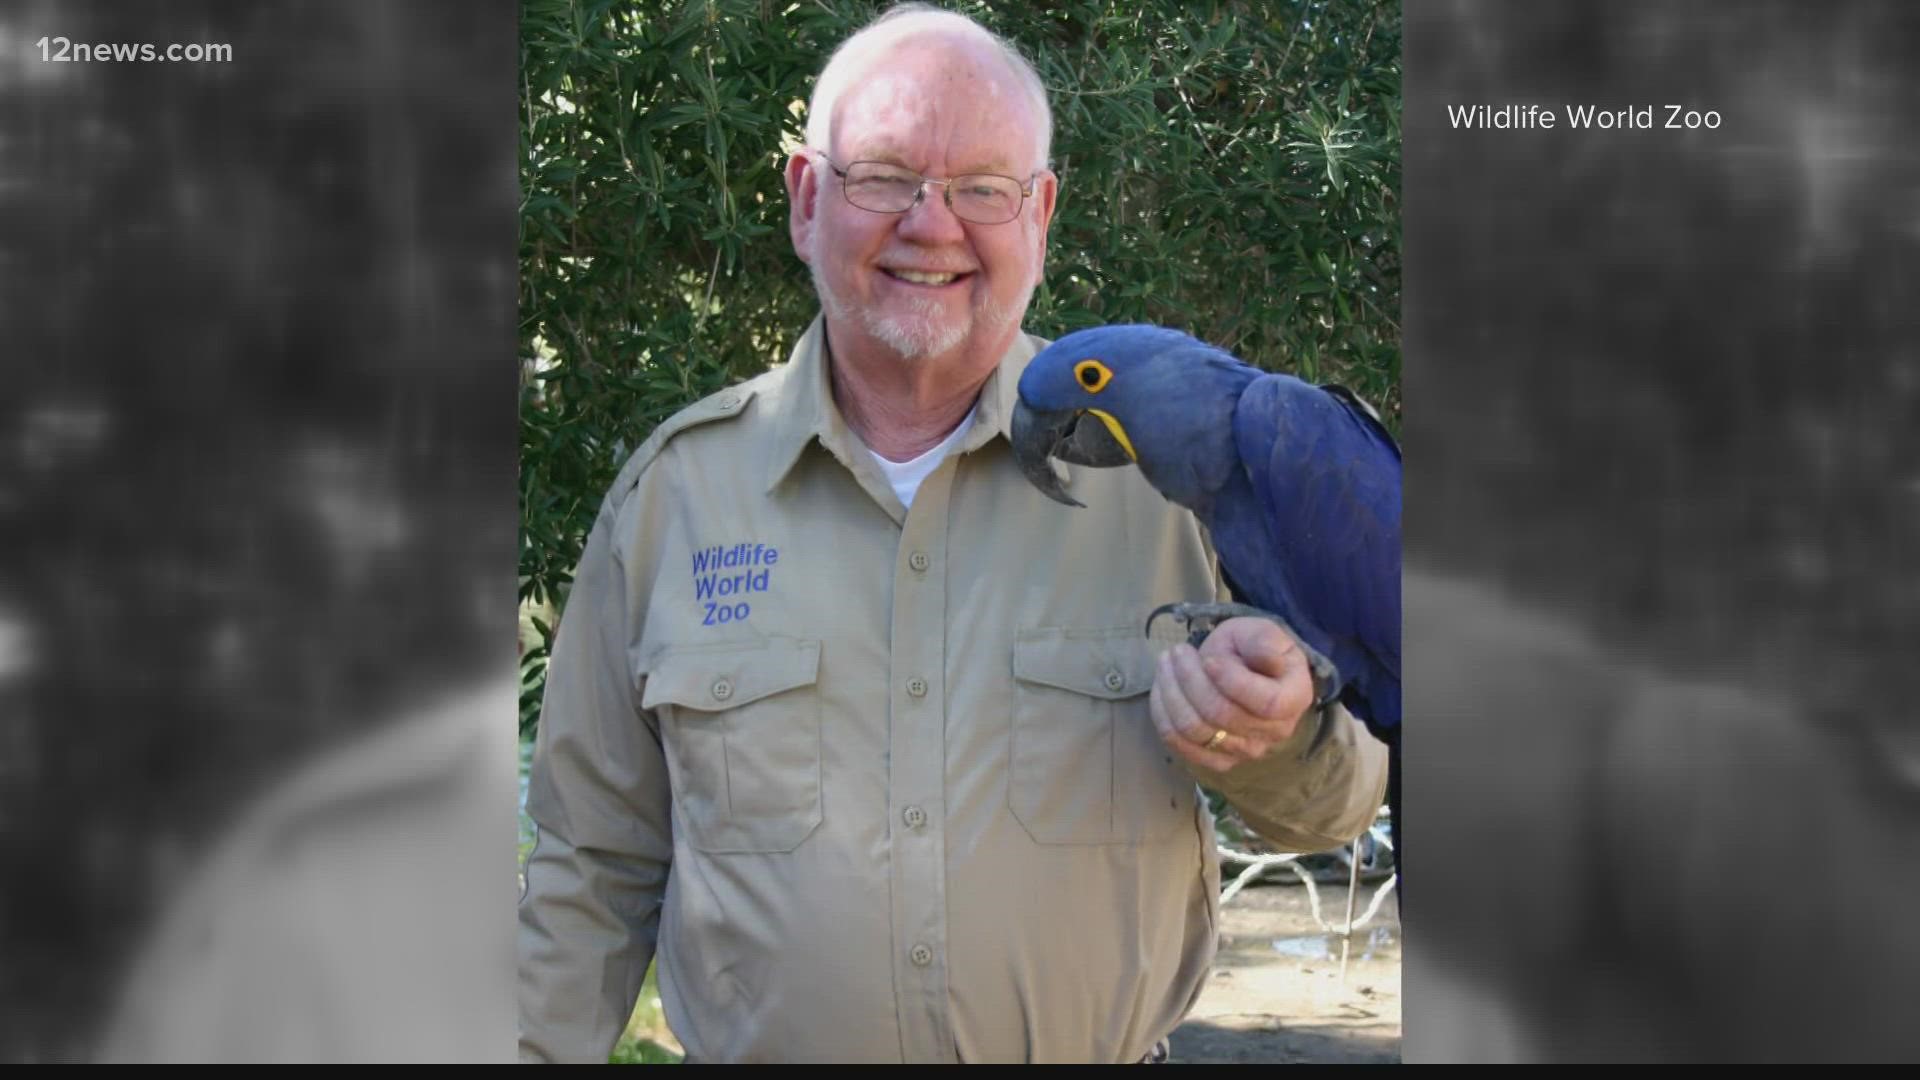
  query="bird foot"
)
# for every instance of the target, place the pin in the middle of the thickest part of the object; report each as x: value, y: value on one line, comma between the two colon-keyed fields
x: 1201, y: 619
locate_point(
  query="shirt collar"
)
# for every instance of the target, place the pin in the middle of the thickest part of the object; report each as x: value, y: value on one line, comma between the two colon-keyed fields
x: 804, y: 409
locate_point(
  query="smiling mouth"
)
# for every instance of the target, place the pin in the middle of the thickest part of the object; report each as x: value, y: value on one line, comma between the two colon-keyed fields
x: 915, y: 277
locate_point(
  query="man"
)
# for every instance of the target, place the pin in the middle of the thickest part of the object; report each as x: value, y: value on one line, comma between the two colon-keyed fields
x: 847, y: 725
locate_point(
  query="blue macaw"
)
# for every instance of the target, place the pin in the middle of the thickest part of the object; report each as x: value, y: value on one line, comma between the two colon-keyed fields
x: 1298, y: 485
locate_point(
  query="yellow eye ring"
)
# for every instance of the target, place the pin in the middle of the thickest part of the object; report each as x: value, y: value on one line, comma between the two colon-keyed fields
x: 1092, y: 375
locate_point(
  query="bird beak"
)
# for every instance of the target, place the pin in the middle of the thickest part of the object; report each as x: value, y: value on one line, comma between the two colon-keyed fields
x: 1068, y: 435
x: 1035, y: 436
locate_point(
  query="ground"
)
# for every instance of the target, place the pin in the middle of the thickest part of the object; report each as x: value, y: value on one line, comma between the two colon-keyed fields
x: 1277, y: 993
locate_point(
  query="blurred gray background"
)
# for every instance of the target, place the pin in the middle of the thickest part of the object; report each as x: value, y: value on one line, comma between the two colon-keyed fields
x: 256, y: 447
x: 1663, y: 535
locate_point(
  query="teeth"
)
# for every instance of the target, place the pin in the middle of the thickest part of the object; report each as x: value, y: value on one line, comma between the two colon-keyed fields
x: 922, y: 279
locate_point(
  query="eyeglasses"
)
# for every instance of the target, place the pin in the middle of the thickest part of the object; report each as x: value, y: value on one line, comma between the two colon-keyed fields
x: 982, y: 198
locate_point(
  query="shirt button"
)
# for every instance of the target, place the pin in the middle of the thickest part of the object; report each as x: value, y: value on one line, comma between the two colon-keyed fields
x: 915, y: 817
x: 1115, y: 680
x: 918, y: 560
x: 922, y: 956
x: 722, y: 689
x: 728, y: 401
x: 917, y: 686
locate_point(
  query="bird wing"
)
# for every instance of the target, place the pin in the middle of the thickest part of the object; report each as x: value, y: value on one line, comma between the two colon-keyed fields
x: 1327, y: 476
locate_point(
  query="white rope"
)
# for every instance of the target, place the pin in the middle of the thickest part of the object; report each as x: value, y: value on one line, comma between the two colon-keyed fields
x: 1257, y: 865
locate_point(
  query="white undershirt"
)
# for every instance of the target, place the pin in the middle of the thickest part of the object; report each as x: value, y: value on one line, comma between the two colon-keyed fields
x: 905, y: 476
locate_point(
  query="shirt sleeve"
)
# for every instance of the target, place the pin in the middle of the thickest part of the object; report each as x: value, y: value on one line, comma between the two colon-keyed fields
x: 599, y: 800
x: 1305, y: 803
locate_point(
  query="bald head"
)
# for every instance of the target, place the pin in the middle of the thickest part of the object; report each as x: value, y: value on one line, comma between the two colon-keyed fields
x: 1000, y: 72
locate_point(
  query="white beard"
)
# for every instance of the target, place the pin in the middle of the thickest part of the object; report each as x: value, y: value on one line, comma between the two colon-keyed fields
x: 920, y: 332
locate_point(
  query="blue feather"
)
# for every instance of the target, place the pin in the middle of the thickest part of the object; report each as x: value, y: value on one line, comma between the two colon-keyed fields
x: 1299, y: 486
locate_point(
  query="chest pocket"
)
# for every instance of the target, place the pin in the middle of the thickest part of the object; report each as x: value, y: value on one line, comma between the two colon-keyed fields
x: 1088, y: 766
x: 741, y: 724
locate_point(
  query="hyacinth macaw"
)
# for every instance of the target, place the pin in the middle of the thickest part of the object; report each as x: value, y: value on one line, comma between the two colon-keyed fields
x: 1298, y: 485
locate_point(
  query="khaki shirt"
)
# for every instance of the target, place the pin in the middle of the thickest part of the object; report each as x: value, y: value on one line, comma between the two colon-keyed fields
x: 878, y: 784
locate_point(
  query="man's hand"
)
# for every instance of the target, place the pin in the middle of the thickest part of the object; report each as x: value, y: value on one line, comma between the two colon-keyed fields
x: 1244, y: 692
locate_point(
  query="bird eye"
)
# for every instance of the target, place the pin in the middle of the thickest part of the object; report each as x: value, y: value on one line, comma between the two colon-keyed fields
x: 1093, y: 375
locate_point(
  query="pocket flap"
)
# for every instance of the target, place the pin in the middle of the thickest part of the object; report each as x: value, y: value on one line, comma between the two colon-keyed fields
x: 1111, y: 663
x: 717, y: 677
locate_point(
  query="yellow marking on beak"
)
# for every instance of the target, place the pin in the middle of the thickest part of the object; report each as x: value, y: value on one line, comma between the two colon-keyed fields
x: 1119, y: 434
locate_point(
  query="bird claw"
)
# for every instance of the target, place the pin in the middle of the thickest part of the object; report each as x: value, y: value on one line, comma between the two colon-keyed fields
x: 1202, y: 619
